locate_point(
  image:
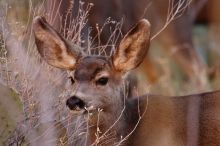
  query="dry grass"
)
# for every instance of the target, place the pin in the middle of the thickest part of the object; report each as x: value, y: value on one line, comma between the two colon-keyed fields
x: 40, y: 88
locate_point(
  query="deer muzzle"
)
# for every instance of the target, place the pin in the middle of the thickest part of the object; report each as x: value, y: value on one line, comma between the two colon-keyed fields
x: 75, y: 103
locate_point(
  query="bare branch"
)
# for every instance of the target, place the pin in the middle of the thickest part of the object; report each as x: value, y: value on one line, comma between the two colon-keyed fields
x: 175, y: 10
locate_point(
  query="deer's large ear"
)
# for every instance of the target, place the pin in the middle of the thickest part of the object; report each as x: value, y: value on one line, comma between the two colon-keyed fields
x: 133, y: 47
x: 52, y: 46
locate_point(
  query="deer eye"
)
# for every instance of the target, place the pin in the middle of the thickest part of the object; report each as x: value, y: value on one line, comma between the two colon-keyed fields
x: 102, y: 81
x: 72, y: 81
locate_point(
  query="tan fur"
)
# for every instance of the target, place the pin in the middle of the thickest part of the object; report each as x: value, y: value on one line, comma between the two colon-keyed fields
x: 165, y: 120
x: 137, y: 38
x: 52, y: 47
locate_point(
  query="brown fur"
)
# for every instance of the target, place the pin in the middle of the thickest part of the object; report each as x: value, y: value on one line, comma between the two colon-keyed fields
x: 165, y: 120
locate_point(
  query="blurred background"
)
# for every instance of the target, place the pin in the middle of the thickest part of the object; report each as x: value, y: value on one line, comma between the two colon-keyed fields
x: 184, y: 56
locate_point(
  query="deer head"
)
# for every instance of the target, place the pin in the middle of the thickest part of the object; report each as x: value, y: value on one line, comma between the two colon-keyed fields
x: 97, y: 81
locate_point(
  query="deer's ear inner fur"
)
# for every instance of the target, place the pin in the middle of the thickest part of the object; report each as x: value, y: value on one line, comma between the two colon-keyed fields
x: 53, y: 48
x: 133, y: 47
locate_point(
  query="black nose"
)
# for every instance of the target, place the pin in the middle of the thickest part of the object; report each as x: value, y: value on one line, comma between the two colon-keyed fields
x: 74, y: 103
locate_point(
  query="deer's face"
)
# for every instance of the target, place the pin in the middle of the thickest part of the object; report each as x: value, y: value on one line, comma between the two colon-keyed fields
x: 96, y: 82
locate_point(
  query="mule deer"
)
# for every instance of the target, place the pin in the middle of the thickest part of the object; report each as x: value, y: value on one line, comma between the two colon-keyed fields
x: 98, y: 83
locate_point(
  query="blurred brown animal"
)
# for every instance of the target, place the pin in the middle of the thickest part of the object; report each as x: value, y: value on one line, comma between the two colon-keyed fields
x: 98, y: 89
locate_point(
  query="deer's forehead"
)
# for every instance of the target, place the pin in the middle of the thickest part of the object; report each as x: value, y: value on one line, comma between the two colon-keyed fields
x: 88, y: 67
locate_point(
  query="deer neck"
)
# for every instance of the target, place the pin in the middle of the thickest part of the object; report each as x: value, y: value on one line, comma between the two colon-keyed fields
x: 112, y: 126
